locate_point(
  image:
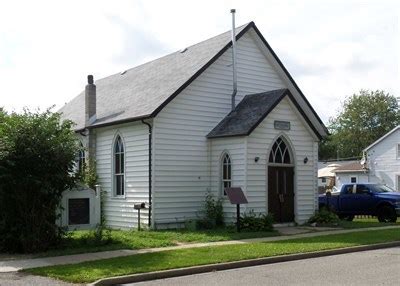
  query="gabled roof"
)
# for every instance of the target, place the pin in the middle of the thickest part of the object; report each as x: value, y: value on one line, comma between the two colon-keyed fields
x: 142, y: 92
x: 382, y: 138
x: 248, y: 114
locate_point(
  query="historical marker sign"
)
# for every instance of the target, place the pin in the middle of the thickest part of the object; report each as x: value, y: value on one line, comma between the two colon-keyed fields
x: 236, y: 197
x: 78, y: 211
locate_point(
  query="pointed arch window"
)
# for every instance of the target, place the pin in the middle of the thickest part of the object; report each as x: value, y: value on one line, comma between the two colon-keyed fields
x: 226, y: 172
x: 119, y: 167
x: 280, y: 153
x: 81, y: 160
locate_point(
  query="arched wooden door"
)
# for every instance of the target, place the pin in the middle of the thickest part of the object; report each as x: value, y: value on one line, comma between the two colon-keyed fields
x: 281, y: 182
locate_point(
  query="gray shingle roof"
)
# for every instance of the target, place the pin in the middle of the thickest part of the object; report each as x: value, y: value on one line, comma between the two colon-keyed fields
x: 141, y: 91
x: 352, y: 167
x: 248, y: 114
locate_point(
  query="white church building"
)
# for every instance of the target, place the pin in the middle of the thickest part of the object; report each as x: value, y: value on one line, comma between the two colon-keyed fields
x: 221, y: 113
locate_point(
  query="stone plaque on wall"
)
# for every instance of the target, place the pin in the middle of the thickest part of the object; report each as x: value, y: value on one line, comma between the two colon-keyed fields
x: 78, y: 211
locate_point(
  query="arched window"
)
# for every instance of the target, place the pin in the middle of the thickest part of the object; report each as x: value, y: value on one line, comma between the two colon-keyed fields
x: 119, y: 167
x: 81, y: 160
x: 226, y: 172
x: 280, y: 153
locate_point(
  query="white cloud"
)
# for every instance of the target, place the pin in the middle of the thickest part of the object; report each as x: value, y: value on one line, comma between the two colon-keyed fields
x: 332, y: 48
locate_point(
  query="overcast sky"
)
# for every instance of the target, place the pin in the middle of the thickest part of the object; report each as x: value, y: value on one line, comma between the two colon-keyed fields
x: 331, y: 48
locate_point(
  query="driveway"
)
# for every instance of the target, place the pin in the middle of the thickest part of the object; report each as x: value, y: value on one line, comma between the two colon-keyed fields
x: 376, y: 267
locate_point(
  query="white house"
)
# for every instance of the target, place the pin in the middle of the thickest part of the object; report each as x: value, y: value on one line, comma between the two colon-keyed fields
x: 354, y: 172
x: 165, y: 133
x: 383, y: 159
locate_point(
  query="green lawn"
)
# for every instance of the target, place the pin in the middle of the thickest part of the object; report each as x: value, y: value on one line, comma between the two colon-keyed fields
x: 365, y: 222
x: 83, y: 242
x: 141, y: 263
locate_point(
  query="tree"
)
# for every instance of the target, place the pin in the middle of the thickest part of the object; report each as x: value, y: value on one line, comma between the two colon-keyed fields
x: 37, y: 153
x: 364, y: 118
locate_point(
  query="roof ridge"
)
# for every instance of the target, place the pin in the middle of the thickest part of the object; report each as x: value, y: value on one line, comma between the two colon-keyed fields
x: 172, y: 53
x: 380, y: 139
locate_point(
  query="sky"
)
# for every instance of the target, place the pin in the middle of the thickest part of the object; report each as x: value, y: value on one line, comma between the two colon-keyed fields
x: 331, y: 48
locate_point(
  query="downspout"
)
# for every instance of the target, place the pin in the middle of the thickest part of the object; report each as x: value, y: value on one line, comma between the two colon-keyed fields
x: 150, y: 168
x: 234, y: 59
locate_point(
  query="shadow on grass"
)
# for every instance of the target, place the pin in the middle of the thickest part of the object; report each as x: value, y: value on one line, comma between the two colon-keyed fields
x: 364, y: 223
x: 83, y: 241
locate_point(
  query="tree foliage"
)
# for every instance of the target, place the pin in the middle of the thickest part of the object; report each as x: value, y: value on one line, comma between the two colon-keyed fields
x: 364, y: 118
x: 37, y: 153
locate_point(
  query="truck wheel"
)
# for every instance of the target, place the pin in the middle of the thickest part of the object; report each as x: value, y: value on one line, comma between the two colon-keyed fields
x: 387, y: 214
x: 347, y: 217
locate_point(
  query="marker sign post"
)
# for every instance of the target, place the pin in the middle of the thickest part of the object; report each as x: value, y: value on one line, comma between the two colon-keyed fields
x: 236, y: 197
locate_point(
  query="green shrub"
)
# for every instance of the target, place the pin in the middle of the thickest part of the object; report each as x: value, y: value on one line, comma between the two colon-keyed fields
x: 250, y: 221
x: 37, y: 153
x: 213, y: 213
x: 324, y: 216
x: 89, y: 175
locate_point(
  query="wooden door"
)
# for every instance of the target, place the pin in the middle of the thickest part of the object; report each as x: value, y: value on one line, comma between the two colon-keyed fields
x: 281, y: 193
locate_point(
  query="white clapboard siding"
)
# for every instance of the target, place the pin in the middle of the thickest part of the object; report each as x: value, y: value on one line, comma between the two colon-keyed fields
x: 302, y: 144
x: 182, y: 151
x: 119, y: 212
x: 236, y: 148
x: 384, y: 162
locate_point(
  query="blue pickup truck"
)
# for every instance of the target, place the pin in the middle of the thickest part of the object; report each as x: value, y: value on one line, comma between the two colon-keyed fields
x: 363, y: 199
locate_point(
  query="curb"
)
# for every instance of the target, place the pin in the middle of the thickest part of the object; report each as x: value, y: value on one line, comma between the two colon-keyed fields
x: 236, y: 264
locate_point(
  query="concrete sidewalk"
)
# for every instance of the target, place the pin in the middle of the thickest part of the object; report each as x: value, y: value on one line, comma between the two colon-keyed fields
x: 15, y: 265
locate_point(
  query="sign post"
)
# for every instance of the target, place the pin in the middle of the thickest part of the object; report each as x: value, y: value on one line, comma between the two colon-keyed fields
x: 236, y: 197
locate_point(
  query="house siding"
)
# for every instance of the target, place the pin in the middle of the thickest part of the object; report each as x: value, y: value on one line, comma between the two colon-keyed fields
x: 345, y: 178
x: 236, y: 148
x: 302, y: 145
x: 183, y: 173
x: 383, y: 162
x: 119, y: 212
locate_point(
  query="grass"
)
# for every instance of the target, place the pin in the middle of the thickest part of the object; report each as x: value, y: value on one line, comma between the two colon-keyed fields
x: 84, y: 242
x: 365, y: 222
x: 81, y: 241
x: 90, y: 271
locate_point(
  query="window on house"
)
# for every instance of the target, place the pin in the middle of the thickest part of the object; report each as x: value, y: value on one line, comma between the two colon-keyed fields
x: 226, y: 166
x: 398, y: 151
x: 323, y: 180
x: 119, y: 168
x: 398, y: 182
x: 81, y: 160
x: 353, y: 180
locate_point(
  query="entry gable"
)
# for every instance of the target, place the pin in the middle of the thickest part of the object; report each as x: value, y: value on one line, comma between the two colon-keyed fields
x: 251, y: 111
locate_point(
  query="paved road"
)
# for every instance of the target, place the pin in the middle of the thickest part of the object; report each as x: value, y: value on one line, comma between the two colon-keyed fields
x: 376, y: 267
x: 22, y: 279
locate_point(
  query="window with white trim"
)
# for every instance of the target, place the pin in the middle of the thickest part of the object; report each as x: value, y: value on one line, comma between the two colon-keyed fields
x: 226, y: 172
x: 398, y: 182
x: 398, y: 151
x: 119, y: 167
x: 353, y: 180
